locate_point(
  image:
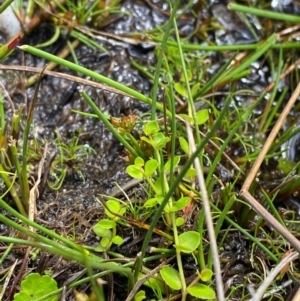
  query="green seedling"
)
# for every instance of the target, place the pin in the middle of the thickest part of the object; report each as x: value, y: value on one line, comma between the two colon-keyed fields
x: 71, y: 157
x: 72, y: 18
x: 155, y: 174
x: 153, y: 135
x: 35, y: 286
x: 140, y: 170
x: 9, y: 157
x: 106, y: 229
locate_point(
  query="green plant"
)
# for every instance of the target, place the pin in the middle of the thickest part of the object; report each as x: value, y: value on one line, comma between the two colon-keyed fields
x: 9, y: 159
x: 187, y: 162
x: 156, y: 172
x: 35, y: 286
x: 106, y: 229
x: 198, y: 290
x: 70, y: 159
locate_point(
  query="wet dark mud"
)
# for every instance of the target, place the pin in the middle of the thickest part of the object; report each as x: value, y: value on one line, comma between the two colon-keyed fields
x: 75, y: 203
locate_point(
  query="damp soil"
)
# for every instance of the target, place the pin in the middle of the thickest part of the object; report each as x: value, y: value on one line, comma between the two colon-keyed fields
x: 75, y: 204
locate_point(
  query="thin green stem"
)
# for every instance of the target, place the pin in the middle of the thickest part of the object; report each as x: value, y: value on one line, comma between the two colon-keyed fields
x: 242, y: 118
x: 234, y: 71
x: 6, y: 253
x: 2, y: 115
x: 171, y: 105
x: 149, y: 181
x: 191, y: 107
x: 30, y: 10
x: 179, y: 260
x: 200, y: 222
x: 87, y: 260
x: 210, y: 84
x: 5, y: 5
x: 219, y: 223
x: 86, y: 72
x: 15, y: 158
x: 275, y: 110
x: 272, y: 207
x: 269, y: 108
x: 247, y: 234
x: 38, y: 227
x: 136, y: 145
x: 93, y: 75
x: 23, y: 176
x: 10, y: 186
x: 196, y: 47
x: 160, y: 59
x: 264, y: 13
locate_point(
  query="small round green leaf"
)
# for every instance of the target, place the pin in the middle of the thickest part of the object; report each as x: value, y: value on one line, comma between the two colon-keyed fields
x: 191, y: 173
x: 106, y: 224
x: 176, y: 160
x: 105, y: 242
x: 117, y: 240
x: 180, y: 89
x: 151, y: 128
x: 35, y: 286
x: 188, y: 241
x: 179, y: 221
x: 189, y: 75
x: 149, y: 141
x: 151, y: 202
x: 99, y: 248
x: 150, y: 167
x: 135, y: 171
x: 188, y: 118
x: 139, y: 296
x: 195, y: 89
x: 139, y: 162
x: 180, y: 204
x: 184, y: 145
x: 160, y: 140
x: 202, y: 116
x: 171, y: 277
x: 206, y: 275
x: 101, y: 232
x: 114, y: 207
x: 201, y: 291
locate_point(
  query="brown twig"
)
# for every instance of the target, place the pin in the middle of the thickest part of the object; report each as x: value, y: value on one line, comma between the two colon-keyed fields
x: 19, y: 275
x: 69, y: 77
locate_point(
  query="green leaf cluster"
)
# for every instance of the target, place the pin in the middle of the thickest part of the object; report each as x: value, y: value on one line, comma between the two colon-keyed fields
x: 106, y: 229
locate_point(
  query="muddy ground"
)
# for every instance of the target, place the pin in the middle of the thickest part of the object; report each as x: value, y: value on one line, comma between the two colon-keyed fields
x: 75, y: 203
